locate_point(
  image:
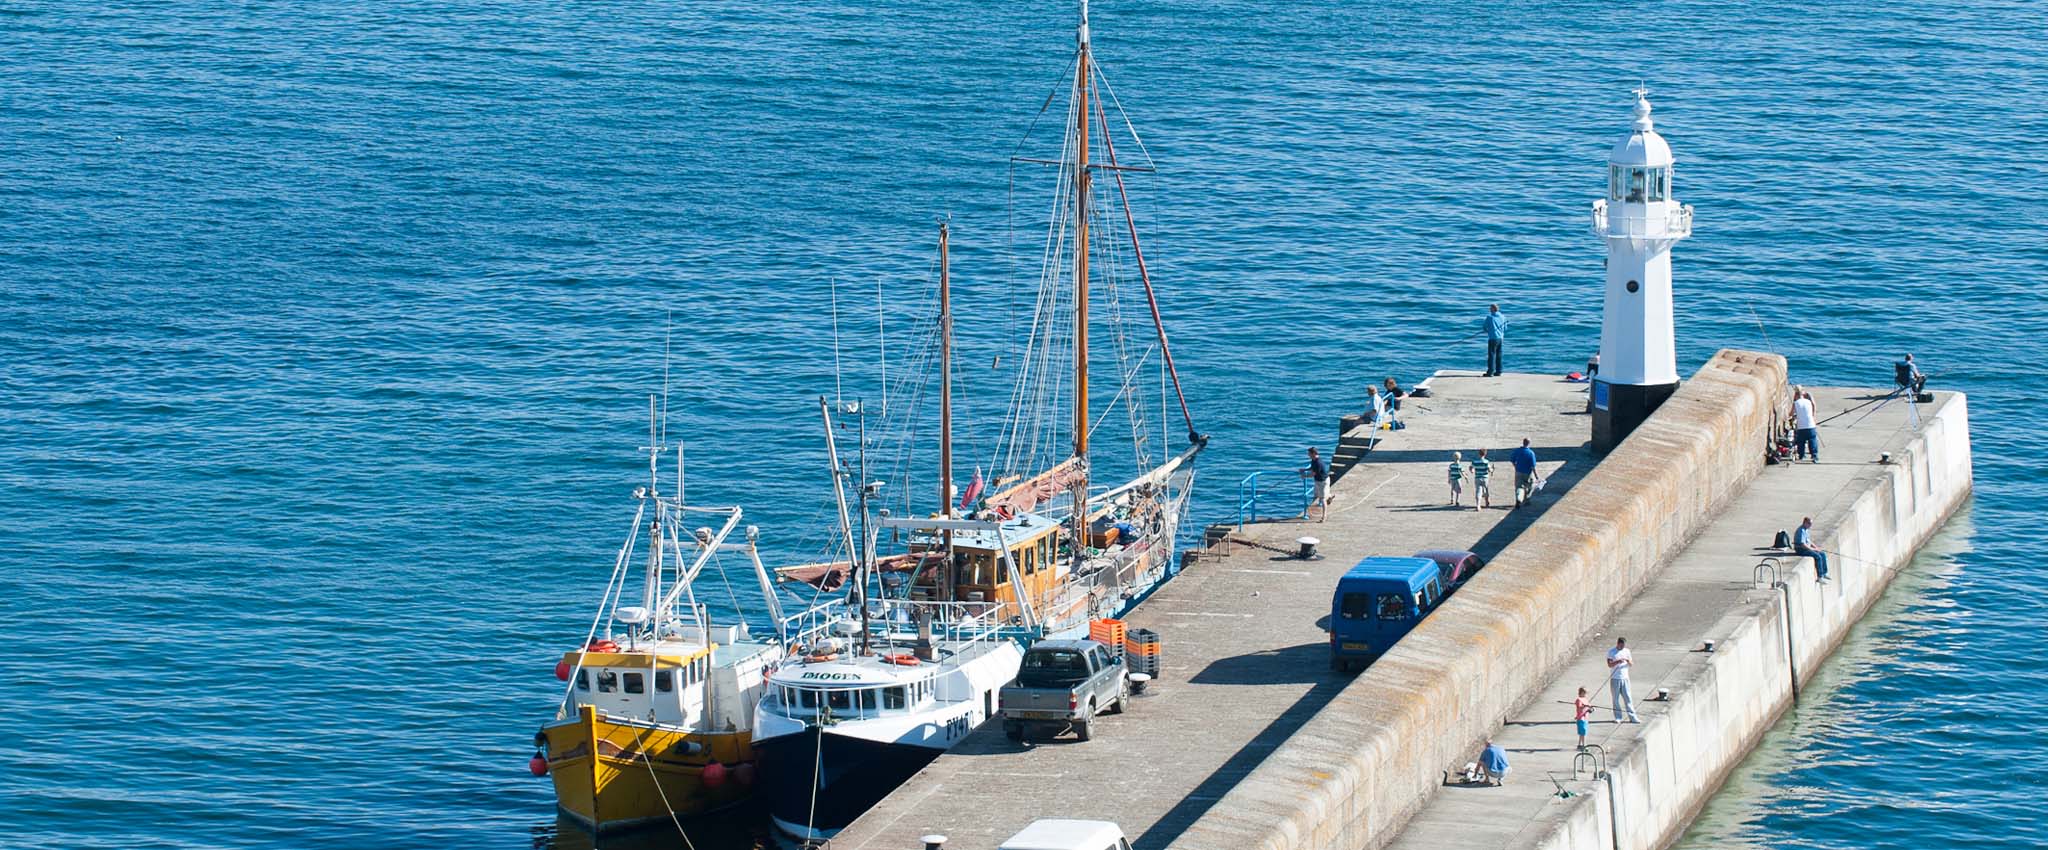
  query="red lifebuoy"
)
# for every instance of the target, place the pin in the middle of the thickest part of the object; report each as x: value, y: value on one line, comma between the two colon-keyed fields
x: 822, y: 656
x: 602, y: 645
x: 903, y: 658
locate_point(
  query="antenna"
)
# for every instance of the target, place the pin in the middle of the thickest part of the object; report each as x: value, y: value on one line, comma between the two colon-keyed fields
x: 837, y: 395
x: 667, y: 331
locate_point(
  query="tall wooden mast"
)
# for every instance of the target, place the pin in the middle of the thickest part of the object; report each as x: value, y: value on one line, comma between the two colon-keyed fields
x: 1081, y: 80
x: 945, y: 413
x: 945, y: 381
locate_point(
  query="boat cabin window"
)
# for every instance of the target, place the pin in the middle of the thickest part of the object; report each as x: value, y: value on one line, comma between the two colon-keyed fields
x: 664, y: 680
x: 607, y: 681
x: 850, y: 702
x: 1393, y: 606
x: 582, y: 680
x: 1434, y: 591
x: 1357, y: 606
x: 636, y: 683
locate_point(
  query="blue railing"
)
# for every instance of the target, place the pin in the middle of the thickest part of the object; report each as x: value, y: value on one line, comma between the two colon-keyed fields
x: 1290, y: 491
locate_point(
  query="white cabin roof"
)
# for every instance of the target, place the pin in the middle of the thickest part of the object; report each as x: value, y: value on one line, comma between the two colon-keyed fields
x: 849, y: 672
x: 1015, y: 530
x: 1064, y: 834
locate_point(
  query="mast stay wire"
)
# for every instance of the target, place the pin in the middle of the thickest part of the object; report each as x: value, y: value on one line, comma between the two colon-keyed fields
x: 1166, y: 351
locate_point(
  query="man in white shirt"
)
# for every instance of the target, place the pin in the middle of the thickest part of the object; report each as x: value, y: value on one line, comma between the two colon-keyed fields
x: 1618, y: 661
x: 1805, y: 435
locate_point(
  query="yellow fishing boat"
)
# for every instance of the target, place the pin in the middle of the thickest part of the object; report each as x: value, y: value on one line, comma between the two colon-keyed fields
x: 656, y: 720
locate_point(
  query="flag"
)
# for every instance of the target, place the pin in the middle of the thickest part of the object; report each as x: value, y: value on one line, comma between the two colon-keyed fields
x: 973, y: 490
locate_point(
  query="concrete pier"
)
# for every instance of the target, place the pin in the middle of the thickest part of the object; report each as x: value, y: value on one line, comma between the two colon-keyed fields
x: 1246, y: 658
x: 1249, y: 742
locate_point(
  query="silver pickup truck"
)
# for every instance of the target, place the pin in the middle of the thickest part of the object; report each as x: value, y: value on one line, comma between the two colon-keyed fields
x: 1064, y: 683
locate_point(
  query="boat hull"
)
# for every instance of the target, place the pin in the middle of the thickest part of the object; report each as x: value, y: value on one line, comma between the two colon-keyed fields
x: 816, y: 782
x: 613, y: 775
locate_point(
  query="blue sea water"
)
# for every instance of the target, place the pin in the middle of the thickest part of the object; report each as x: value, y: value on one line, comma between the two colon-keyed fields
x: 327, y: 330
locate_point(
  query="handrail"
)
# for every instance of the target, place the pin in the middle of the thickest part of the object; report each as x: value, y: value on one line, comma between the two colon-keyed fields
x: 1756, y: 575
x: 1595, y: 757
x: 1249, y: 492
x: 1677, y: 223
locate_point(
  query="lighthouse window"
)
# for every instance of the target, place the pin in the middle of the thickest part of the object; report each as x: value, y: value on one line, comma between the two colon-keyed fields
x: 1659, y: 182
x: 607, y: 681
x: 636, y: 683
x: 664, y: 681
x: 1614, y: 183
x: 1636, y: 184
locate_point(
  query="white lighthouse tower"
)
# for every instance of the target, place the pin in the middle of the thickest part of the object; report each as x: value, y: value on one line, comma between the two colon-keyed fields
x: 1640, y: 220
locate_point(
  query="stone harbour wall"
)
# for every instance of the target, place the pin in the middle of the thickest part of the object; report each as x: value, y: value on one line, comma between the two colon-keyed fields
x: 1370, y: 759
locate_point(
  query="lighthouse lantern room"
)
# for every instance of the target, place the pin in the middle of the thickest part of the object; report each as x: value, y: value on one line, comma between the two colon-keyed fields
x: 1640, y: 220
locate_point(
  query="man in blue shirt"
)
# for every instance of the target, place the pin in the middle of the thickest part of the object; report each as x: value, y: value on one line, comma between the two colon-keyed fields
x: 1802, y: 542
x: 1496, y: 332
x: 1493, y: 762
x: 1524, y: 460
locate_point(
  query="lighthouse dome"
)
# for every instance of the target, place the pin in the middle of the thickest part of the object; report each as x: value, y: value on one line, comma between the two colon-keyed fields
x: 1642, y: 146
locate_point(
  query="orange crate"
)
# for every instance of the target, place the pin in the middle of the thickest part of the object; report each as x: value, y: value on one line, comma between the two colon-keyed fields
x: 1107, y: 632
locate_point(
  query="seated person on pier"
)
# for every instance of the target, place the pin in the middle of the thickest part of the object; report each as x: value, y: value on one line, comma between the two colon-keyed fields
x: 1906, y: 376
x: 1393, y: 394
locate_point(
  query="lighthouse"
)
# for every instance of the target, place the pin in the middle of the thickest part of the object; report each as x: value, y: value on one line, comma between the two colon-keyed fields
x: 1639, y: 220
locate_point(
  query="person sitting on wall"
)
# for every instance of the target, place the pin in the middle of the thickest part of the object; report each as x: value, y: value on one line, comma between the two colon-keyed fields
x: 1393, y: 394
x: 1906, y: 375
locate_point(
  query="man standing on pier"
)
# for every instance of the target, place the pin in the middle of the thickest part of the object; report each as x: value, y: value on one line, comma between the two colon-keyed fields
x: 1524, y: 460
x: 1496, y: 333
x: 1318, y: 469
x: 1619, y: 659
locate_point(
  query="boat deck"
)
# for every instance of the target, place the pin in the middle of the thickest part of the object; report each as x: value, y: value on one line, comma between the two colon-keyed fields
x: 1245, y: 657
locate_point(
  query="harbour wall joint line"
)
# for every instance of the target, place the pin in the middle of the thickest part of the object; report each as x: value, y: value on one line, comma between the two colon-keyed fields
x: 1353, y: 774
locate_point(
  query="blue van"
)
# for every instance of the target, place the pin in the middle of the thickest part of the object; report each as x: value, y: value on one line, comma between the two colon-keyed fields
x: 1376, y: 603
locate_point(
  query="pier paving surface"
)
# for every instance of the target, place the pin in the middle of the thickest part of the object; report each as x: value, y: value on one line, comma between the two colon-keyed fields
x: 1700, y: 595
x: 1245, y: 657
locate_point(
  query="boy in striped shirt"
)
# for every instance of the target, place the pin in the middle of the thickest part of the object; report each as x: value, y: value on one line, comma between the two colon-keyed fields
x: 1457, y: 479
x: 1481, y: 496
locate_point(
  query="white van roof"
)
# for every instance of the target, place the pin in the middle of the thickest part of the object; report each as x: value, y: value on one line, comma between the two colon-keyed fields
x: 1062, y: 834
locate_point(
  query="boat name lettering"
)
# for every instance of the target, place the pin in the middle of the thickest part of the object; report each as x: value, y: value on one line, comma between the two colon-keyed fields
x: 832, y: 676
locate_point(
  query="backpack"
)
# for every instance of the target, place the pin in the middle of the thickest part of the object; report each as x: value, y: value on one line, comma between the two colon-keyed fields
x: 1782, y: 541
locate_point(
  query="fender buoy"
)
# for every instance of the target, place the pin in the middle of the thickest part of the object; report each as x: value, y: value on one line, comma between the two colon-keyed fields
x: 538, y: 765
x: 602, y: 645
x: 903, y: 658
x: 744, y: 773
x: 562, y: 671
x: 714, y: 775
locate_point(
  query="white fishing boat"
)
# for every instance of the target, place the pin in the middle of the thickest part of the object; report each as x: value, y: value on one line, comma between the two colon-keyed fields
x: 930, y: 634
